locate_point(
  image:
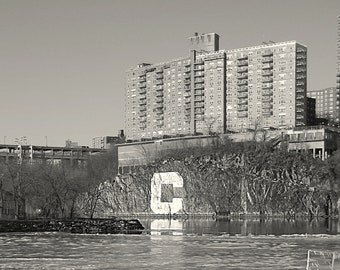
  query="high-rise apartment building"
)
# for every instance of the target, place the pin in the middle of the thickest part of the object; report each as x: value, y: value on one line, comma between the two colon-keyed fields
x: 215, y: 91
x: 338, y: 67
x: 327, y: 103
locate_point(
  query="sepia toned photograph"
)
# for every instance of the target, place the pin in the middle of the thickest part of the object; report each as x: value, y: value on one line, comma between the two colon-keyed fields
x: 170, y: 134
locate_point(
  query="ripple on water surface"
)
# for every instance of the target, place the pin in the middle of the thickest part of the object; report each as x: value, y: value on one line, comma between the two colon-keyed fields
x: 148, y: 251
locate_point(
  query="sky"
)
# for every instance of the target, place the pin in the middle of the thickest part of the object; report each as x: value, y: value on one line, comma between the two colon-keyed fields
x: 63, y: 62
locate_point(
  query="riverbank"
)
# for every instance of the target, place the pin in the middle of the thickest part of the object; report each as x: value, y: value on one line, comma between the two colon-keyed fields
x: 83, y: 226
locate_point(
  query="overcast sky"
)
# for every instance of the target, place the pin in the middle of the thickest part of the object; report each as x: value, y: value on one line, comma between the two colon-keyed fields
x: 63, y: 62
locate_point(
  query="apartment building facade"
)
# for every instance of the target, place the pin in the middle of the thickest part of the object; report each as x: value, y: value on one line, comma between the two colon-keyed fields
x: 338, y: 68
x: 216, y: 91
x: 327, y: 103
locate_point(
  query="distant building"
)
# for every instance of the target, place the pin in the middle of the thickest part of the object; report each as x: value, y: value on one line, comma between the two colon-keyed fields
x: 327, y: 105
x: 338, y: 65
x: 52, y: 154
x: 320, y: 141
x: 71, y: 144
x: 311, y: 117
x: 213, y: 91
x: 106, y: 142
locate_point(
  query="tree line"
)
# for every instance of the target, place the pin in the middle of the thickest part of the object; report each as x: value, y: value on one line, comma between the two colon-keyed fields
x: 248, y: 177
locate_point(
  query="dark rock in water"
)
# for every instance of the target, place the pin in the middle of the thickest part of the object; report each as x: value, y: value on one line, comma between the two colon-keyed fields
x: 86, y: 226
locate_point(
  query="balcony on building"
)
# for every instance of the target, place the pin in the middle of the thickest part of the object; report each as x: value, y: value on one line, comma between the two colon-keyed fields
x: 199, y: 104
x: 267, y: 92
x: 241, y: 63
x: 141, y: 97
x: 242, y: 69
x: 299, y: 116
x: 142, y: 79
x: 242, y: 101
x: 199, y: 93
x: 160, y: 123
x: 299, y: 110
x: 242, y: 108
x: 301, y: 63
x: 267, y: 59
x: 199, y: 111
x: 242, y: 94
x: 142, y: 108
x: 267, y: 66
x: 186, y: 88
x: 159, y: 88
x: 242, y: 76
x: 186, y: 76
x: 242, y: 57
x: 242, y: 88
x: 159, y: 100
x: 267, y: 86
x: 199, y: 85
x: 242, y: 114
x: 199, y: 74
x: 187, y: 81
x: 299, y: 103
x: 142, y: 91
x: 198, y: 67
x: 199, y: 117
x: 187, y: 116
x: 141, y: 85
x: 267, y: 105
x: 187, y: 100
x: 186, y: 94
x: 267, y: 111
x: 159, y: 110
x: 159, y: 76
x: 159, y: 94
x: 267, y: 73
x: 158, y: 82
x: 300, y: 50
x: 300, y: 97
x: 142, y: 126
x: 298, y: 70
x: 300, y: 82
x: 187, y: 70
x: 242, y: 82
x: 142, y: 119
x: 160, y: 117
x: 159, y: 70
x: 199, y: 80
x: 300, y: 90
x: 267, y: 98
x: 142, y: 114
x: 267, y: 79
x: 267, y: 53
x: 301, y: 57
x: 142, y: 102
x: 187, y: 106
x: 159, y: 105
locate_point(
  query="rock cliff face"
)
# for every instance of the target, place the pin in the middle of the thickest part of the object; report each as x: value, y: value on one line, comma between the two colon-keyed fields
x: 83, y: 226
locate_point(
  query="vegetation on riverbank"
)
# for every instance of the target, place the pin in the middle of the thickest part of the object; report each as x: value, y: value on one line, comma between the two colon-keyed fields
x: 228, y: 178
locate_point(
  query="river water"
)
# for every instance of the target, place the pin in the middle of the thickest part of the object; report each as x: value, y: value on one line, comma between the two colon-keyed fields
x: 177, y: 244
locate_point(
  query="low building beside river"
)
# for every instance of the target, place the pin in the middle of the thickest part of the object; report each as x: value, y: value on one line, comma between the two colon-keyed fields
x: 321, y: 141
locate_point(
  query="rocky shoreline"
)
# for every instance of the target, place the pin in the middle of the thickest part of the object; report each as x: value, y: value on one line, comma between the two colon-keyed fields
x: 81, y: 226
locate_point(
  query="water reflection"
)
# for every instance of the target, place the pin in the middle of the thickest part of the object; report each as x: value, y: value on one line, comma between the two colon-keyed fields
x: 180, y: 244
x: 243, y: 227
x: 168, y: 226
